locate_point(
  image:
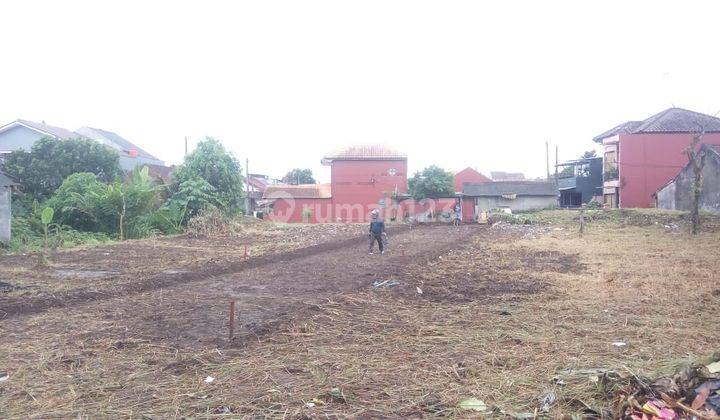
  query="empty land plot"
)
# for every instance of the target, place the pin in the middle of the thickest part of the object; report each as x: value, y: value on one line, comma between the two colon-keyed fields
x: 506, y: 314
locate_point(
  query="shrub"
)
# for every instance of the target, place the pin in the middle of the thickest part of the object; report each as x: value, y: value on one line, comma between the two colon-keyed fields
x: 42, y: 170
x: 213, y: 164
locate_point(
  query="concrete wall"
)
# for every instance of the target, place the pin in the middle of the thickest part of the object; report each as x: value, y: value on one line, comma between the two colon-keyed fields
x: 520, y: 203
x: 649, y: 161
x: 18, y: 138
x: 5, y: 213
x: 666, y: 197
x: 678, y: 195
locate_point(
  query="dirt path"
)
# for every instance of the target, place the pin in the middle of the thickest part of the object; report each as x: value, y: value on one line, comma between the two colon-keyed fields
x: 190, y: 309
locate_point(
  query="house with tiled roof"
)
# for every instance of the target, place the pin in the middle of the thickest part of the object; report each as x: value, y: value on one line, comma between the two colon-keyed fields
x: 639, y: 157
x: 22, y: 134
x: 131, y: 155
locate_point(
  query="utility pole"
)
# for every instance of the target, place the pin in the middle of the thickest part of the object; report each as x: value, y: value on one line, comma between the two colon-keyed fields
x: 247, y: 187
x: 556, y: 164
x: 185, y: 145
x: 547, y: 159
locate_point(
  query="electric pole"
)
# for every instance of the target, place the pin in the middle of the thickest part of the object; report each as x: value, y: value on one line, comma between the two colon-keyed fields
x: 185, y: 145
x: 556, y: 164
x: 247, y: 187
x: 547, y: 159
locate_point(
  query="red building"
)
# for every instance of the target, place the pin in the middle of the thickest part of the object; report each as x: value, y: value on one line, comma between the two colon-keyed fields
x: 362, y: 178
x: 642, y: 156
x: 469, y: 176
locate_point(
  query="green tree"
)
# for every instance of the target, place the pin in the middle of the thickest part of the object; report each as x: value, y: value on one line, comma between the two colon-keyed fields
x: 432, y: 181
x: 299, y: 176
x: 191, y: 197
x: 127, y: 205
x: 589, y: 154
x: 42, y: 170
x: 212, y: 163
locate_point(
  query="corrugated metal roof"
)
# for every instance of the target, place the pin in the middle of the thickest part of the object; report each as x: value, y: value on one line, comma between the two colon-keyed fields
x: 298, y: 191
x: 368, y: 152
x: 499, y: 188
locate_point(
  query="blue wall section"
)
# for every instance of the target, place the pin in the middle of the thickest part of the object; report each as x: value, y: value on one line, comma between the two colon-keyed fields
x: 18, y: 138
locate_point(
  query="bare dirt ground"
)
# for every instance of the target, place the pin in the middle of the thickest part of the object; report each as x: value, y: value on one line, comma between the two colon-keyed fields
x: 503, y: 313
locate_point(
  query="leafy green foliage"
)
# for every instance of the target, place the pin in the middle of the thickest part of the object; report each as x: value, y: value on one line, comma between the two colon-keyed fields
x: 213, y: 164
x: 46, y: 217
x: 299, y: 176
x: 128, y: 204
x: 27, y: 238
x: 72, y: 204
x: 589, y: 154
x: 192, y: 196
x: 42, y: 170
x: 431, y: 182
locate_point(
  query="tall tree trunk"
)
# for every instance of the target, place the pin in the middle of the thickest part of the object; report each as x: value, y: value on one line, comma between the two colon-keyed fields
x: 696, y: 159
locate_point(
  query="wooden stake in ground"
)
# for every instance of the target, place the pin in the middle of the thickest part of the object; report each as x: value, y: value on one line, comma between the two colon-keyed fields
x: 582, y: 220
x: 697, y: 162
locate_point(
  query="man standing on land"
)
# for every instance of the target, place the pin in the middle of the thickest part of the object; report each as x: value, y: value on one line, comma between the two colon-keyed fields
x: 377, y: 230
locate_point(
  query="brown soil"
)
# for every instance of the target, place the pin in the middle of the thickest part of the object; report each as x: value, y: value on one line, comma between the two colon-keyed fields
x: 497, y: 313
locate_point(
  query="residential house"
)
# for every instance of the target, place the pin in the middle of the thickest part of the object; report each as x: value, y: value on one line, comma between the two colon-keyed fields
x: 513, y: 195
x: 677, y: 194
x: 6, y: 186
x: 640, y: 157
x: 580, y: 181
x: 257, y: 184
x: 130, y: 155
x: 22, y: 134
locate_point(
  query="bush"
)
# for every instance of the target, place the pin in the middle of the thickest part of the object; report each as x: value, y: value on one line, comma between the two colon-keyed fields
x: 25, y: 238
x: 42, y: 170
x: 213, y: 164
x: 594, y: 205
x: 72, y: 204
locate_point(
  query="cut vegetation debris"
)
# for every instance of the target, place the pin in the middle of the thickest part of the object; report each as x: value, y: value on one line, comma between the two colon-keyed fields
x: 314, y: 339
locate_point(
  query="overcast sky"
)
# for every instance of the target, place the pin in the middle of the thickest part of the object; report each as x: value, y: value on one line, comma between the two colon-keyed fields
x: 457, y: 84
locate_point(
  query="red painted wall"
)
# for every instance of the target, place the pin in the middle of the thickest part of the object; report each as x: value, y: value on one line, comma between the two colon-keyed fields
x: 468, y: 209
x: 646, y: 162
x: 358, y: 186
x: 287, y: 211
x: 469, y: 175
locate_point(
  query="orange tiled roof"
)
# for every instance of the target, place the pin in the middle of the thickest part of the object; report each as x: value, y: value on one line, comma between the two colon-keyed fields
x: 297, y: 191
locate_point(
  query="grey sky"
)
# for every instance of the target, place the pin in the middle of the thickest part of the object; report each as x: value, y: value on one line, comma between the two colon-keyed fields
x: 458, y: 84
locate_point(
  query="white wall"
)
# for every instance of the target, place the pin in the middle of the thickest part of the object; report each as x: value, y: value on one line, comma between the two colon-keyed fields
x: 5, y: 214
x: 521, y: 203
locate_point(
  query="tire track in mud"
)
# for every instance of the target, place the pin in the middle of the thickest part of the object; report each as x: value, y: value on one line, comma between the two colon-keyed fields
x: 269, y: 296
x: 22, y: 305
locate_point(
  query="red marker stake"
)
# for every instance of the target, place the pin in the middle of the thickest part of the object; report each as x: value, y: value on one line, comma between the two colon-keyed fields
x: 245, y: 256
x: 231, y: 323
